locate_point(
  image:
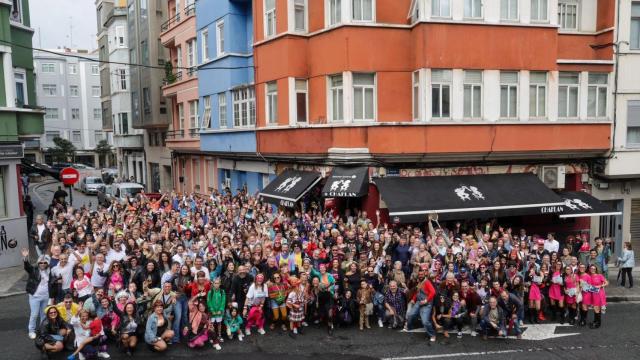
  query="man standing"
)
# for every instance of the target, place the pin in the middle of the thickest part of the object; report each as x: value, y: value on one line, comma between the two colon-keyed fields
x: 422, y: 303
x: 551, y: 245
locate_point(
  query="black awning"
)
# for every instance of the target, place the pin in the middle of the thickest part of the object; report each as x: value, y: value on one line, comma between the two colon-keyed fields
x: 410, y: 199
x: 581, y: 204
x: 289, y: 187
x: 347, y: 182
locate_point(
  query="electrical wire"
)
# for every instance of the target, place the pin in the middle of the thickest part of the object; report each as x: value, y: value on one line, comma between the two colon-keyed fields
x: 63, y: 54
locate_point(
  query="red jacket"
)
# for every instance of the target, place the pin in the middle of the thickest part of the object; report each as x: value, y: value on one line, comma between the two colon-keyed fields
x: 427, y: 289
x: 191, y: 289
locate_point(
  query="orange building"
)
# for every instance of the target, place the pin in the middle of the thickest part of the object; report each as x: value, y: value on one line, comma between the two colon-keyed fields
x: 408, y: 85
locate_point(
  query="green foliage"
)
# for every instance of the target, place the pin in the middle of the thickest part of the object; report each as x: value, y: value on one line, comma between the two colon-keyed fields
x: 63, y: 150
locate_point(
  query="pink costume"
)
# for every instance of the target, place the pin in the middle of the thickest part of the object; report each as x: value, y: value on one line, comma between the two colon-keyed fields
x: 555, y: 290
x: 598, y: 298
x: 570, y: 283
x: 585, y: 279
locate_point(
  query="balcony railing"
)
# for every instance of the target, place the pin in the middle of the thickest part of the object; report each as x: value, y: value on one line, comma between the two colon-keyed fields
x: 194, y: 133
x: 175, y: 19
x: 175, y: 134
x: 172, y: 79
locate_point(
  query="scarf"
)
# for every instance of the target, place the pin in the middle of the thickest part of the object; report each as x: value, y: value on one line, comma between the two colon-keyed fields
x: 196, y: 317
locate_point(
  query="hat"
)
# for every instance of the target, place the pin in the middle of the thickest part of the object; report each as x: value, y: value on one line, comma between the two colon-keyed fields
x: 457, y: 239
x: 44, y: 258
x: 463, y: 270
x: 122, y: 294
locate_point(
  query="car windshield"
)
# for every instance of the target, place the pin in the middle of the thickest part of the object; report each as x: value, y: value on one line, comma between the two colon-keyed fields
x: 94, y: 181
x: 130, y: 191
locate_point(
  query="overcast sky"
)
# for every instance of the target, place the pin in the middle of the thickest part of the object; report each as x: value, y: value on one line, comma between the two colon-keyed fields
x: 52, y: 21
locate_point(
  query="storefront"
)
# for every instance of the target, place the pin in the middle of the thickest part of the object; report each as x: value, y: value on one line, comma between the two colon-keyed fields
x: 289, y: 187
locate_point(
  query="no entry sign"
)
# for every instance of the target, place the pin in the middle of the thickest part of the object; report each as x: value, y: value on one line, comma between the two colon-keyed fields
x: 69, y: 176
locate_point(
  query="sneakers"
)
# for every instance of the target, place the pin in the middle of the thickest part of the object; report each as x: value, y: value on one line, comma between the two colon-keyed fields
x: 304, y: 323
x: 71, y: 357
x: 432, y: 339
x: 261, y: 331
x: 474, y: 333
x: 248, y: 332
x: 81, y: 357
x: 240, y: 337
x: 380, y: 323
x: 459, y: 334
x: 217, y: 347
x: 32, y: 335
x: 103, y: 355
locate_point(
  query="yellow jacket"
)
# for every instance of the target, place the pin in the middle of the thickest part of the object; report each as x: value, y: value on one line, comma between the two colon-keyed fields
x: 67, y: 315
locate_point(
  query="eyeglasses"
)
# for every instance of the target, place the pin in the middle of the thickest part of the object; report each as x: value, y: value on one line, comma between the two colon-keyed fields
x: 42, y: 263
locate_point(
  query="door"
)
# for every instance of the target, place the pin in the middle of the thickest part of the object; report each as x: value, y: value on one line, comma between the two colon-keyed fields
x: 611, y: 225
x: 155, y: 177
x: 635, y: 226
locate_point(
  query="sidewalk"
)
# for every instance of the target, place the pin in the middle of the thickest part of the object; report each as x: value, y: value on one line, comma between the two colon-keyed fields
x: 13, y: 281
x: 616, y: 293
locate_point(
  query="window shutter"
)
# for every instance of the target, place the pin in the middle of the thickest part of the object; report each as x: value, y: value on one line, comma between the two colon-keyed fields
x: 633, y: 113
x: 438, y: 76
x: 508, y: 77
x: 538, y: 77
x: 474, y: 77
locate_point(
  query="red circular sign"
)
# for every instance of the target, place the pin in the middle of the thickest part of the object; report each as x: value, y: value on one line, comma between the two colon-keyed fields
x: 69, y: 176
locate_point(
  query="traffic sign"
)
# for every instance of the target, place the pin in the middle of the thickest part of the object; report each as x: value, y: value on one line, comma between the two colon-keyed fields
x: 69, y: 176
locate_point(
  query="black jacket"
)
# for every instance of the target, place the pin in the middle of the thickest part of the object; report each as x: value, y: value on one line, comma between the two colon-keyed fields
x: 41, y: 242
x: 33, y: 280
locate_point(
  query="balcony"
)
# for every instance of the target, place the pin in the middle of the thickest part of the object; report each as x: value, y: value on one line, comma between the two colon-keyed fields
x: 194, y: 133
x: 125, y: 141
x: 175, y: 135
x: 176, y: 140
x: 186, y: 16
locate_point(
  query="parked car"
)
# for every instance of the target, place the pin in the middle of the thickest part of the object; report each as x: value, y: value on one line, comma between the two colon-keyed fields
x: 118, y: 192
x: 91, y: 184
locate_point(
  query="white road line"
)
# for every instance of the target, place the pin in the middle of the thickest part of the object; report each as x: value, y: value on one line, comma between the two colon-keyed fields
x: 441, y: 356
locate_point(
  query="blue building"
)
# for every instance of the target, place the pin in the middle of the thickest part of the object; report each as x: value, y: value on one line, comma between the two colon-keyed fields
x: 227, y: 94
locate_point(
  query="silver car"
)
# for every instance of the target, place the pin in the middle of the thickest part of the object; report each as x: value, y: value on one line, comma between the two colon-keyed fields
x: 91, y: 184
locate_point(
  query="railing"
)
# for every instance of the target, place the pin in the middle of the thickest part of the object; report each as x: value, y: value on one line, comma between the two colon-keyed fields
x: 187, y: 11
x: 194, y: 133
x: 175, y: 134
x: 176, y: 77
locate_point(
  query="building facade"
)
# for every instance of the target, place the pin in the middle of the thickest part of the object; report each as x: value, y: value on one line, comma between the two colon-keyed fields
x: 150, y: 111
x: 21, y: 124
x: 116, y: 89
x: 619, y: 178
x: 436, y: 87
x: 68, y: 87
x: 228, y: 95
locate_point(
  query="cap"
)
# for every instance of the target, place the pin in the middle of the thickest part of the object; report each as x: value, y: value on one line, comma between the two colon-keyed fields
x: 540, y: 241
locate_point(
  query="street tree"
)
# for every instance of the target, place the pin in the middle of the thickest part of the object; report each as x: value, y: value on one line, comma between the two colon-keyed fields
x: 62, y: 151
x: 104, y: 150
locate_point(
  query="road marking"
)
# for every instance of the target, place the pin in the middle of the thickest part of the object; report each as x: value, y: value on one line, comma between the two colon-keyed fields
x: 440, y: 356
x: 533, y: 332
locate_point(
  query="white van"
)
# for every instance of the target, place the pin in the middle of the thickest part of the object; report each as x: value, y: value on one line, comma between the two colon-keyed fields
x: 118, y: 192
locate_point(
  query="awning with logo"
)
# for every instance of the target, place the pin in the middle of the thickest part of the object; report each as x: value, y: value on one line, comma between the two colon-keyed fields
x: 289, y: 187
x: 581, y: 204
x: 410, y: 199
x: 347, y: 182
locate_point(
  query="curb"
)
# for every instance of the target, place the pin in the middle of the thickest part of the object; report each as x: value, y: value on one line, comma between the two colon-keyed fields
x: 619, y: 299
x: 11, y: 294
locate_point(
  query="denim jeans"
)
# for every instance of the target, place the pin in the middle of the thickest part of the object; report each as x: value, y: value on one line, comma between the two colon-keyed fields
x: 486, y: 326
x: 37, y: 306
x: 424, y: 312
x: 181, y: 315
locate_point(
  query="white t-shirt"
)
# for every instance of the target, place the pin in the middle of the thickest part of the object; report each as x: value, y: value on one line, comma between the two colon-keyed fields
x: 178, y: 258
x: 96, y: 280
x: 66, y: 272
x: 194, y: 271
x: 113, y: 255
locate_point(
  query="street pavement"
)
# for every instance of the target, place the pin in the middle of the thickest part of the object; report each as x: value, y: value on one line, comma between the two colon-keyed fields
x: 617, y: 339
x: 42, y: 194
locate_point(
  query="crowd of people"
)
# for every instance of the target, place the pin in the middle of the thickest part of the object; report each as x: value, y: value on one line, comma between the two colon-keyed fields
x: 202, y: 270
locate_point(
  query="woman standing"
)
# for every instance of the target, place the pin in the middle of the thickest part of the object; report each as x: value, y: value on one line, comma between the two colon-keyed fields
x: 295, y: 303
x: 585, y: 286
x: 598, y: 297
x: 535, y: 297
x: 556, y: 298
x: 570, y: 293
x: 216, y: 301
x: 277, y: 300
x: 627, y: 262
x: 253, y: 305
x: 37, y: 288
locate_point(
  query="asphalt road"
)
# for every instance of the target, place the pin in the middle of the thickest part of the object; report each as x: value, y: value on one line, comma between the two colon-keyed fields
x: 617, y: 339
x: 42, y: 194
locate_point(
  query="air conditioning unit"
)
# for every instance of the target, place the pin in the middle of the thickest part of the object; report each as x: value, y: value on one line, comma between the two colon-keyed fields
x: 553, y: 176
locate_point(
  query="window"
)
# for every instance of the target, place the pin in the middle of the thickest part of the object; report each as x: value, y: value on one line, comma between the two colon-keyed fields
x: 124, y: 123
x: 206, y: 113
x: 73, y: 90
x: 48, y: 68
x: 75, y: 114
x: 95, y: 70
x: 633, y: 123
x: 335, y: 12
x: 568, y: 15
x: 76, y: 136
x: 219, y: 38
x: 179, y: 58
x: 210, y: 176
x: 243, y: 107
x: 120, y: 37
x: 204, y: 42
x: 597, y: 95
x: 51, y: 114
x: 95, y: 91
x: 16, y: 15
x: 300, y: 15
x: 191, y: 54
x: 301, y: 101
x: 440, y: 8
x: 568, y: 92
x: 509, y: 10
x: 20, y: 77
x: 508, y: 94
x: 146, y: 100
x: 97, y: 114
x: 73, y: 69
x: 196, y: 172
x: 50, y: 135
x: 537, y: 94
x: 539, y: 11
x: 3, y: 205
x: 336, y: 97
x: 144, y: 52
x: 222, y: 109
x: 472, y: 9
x: 97, y: 135
x: 472, y: 94
x: 269, y: 18
x: 122, y: 79
x: 362, y: 10
x: 440, y: 93
x: 364, y: 89
x: 272, y: 103
x: 193, y: 114
x: 635, y: 26
x: 416, y: 95
x: 180, y: 115
x: 49, y: 89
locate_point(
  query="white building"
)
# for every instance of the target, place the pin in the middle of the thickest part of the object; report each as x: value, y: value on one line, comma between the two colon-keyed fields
x: 620, y: 183
x: 68, y: 86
